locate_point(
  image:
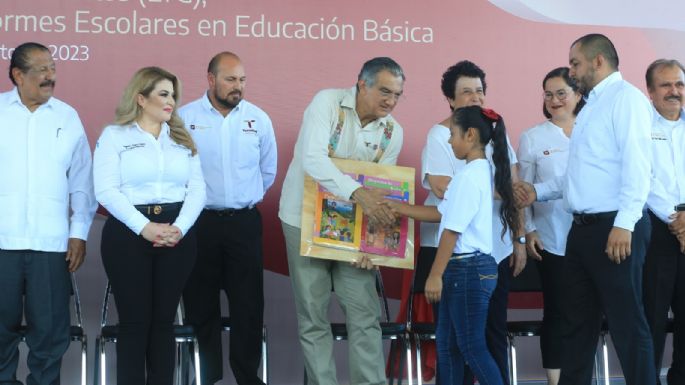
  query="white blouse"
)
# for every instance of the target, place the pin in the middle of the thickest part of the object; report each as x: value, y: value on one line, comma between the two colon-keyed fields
x: 132, y: 167
x: 543, y: 155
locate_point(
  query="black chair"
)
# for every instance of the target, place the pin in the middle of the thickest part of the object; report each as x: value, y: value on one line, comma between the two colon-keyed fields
x: 76, y: 332
x: 529, y: 282
x: 396, y: 332
x: 183, y: 334
x: 226, y: 325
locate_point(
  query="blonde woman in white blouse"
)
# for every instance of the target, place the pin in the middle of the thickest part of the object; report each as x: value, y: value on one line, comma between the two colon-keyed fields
x: 147, y: 175
x: 543, y: 155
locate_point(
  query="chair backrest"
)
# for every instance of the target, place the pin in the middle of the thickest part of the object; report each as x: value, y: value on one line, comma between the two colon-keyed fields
x: 380, y: 288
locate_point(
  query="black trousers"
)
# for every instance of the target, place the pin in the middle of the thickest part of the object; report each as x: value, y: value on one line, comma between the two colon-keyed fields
x: 230, y: 259
x: 551, y: 270
x: 593, y: 285
x: 496, y: 326
x: 147, y: 283
x: 664, y: 288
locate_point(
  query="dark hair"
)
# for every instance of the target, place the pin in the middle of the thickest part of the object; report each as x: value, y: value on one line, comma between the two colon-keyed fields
x: 372, y: 67
x: 20, y: 57
x: 597, y: 44
x: 649, y: 76
x: 214, y: 63
x: 488, y: 129
x: 465, y: 69
x: 562, y: 72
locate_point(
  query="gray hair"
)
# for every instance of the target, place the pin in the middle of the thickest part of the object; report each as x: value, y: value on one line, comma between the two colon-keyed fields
x: 371, y: 68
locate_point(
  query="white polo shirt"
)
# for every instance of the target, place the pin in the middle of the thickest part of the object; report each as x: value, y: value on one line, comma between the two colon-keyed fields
x: 543, y: 156
x: 132, y: 167
x: 668, y: 166
x: 238, y: 152
x: 45, y: 173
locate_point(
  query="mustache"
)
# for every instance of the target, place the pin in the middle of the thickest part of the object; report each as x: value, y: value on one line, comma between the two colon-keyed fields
x: 674, y: 97
x: 50, y: 83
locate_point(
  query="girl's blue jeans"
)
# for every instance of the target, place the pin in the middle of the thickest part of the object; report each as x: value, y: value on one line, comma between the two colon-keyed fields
x: 467, y: 285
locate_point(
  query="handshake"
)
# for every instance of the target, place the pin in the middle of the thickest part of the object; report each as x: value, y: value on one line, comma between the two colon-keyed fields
x: 524, y: 194
x: 162, y: 234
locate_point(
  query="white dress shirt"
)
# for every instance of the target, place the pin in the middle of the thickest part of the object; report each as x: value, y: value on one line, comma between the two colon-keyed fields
x: 609, y: 161
x: 132, y: 167
x: 46, y: 172
x: 467, y: 208
x: 311, y: 149
x: 438, y: 158
x: 238, y: 152
x: 668, y: 166
x: 543, y: 155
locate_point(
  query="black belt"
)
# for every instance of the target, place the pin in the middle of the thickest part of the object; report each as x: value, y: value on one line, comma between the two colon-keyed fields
x: 582, y: 219
x: 230, y: 212
x: 156, y: 209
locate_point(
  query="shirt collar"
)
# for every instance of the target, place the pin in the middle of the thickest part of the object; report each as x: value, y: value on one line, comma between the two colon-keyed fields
x: 207, y: 104
x: 349, y: 100
x: 17, y: 99
x: 601, y: 86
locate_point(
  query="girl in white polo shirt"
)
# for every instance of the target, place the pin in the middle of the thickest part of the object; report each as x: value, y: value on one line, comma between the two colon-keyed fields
x: 464, y: 274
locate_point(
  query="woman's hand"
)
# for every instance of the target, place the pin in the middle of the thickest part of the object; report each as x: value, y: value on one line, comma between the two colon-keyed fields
x: 364, y: 263
x: 433, y: 289
x: 533, y: 244
x: 161, y: 234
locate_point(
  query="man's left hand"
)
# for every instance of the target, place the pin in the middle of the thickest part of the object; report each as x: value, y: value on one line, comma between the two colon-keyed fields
x: 364, y: 263
x: 76, y: 253
x: 517, y: 261
x: 677, y: 227
x: 618, y: 244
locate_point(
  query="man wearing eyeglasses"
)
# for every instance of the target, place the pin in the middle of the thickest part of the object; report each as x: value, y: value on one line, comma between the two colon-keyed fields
x: 47, y: 175
x: 353, y: 123
x: 664, y: 270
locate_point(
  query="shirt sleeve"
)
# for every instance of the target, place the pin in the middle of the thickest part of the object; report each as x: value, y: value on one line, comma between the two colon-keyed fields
x: 195, y: 197
x: 436, y: 156
x: 80, y: 180
x: 527, y: 170
x: 461, y: 203
x: 658, y: 201
x: 319, y: 119
x: 268, y: 156
x: 632, y: 117
x: 107, y: 182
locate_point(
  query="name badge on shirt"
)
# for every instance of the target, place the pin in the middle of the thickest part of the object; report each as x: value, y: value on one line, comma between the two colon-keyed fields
x: 198, y: 127
x: 659, y: 136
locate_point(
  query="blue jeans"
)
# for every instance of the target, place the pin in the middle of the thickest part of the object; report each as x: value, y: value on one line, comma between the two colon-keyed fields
x: 467, y: 285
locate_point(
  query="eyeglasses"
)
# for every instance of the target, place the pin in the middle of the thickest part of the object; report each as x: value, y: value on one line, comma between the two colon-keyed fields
x: 560, y: 94
x: 387, y: 94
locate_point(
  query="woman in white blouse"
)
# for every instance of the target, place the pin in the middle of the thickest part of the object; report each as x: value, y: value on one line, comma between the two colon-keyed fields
x: 543, y: 155
x: 147, y: 175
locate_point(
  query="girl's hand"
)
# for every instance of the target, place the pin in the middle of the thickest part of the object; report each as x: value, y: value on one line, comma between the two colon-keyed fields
x: 433, y: 288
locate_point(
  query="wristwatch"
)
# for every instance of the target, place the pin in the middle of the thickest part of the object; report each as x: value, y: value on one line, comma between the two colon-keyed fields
x: 521, y: 240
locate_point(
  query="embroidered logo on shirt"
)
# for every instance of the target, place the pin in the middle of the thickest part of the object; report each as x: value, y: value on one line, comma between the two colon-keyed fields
x: 128, y: 147
x: 249, y: 126
x: 198, y: 127
x: 659, y: 136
